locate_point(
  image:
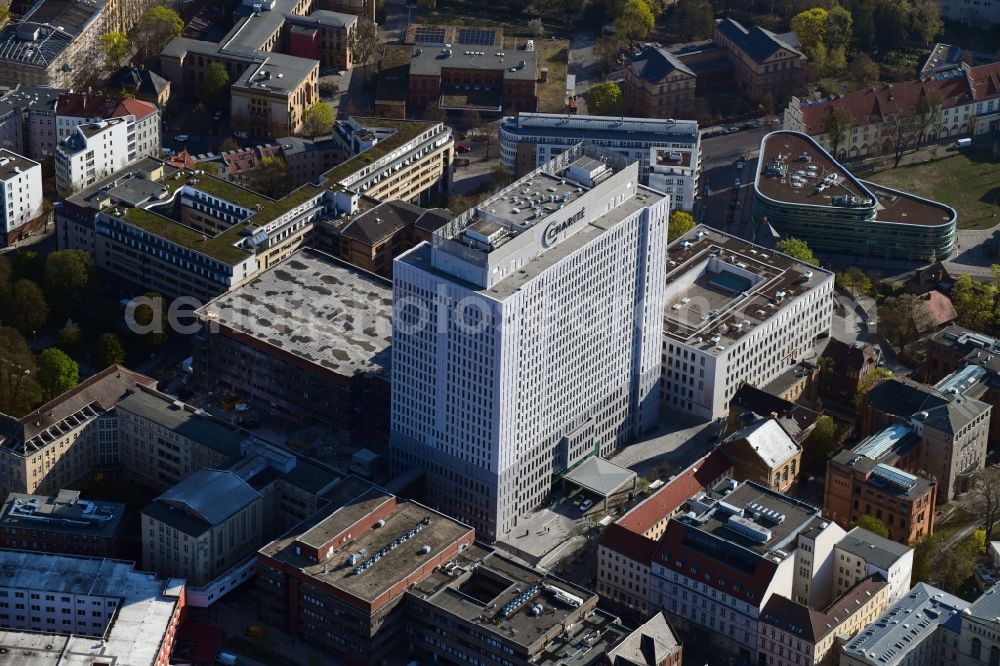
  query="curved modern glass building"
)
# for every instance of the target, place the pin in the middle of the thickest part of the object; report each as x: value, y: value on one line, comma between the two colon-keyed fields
x: 801, y: 191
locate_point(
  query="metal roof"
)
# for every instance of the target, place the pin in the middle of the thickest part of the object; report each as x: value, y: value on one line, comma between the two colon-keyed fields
x: 884, y: 440
x: 210, y: 495
x: 600, y: 477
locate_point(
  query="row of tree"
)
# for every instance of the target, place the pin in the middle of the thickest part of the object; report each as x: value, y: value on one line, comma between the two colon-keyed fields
x: 157, y: 26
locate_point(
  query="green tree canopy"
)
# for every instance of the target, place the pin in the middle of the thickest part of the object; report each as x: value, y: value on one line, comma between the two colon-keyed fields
x: 876, y: 376
x: 19, y: 390
x: 974, y: 304
x: 317, y: 120
x: 68, y: 270
x: 810, y: 27
x: 214, y: 88
x: 854, y: 281
x: 680, y: 223
x: 69, y: 335
x: 157, y: 27
x: 839, y: 28
x: 797, y: 249
x: 57, y: 373
x: 27, y: 310
x: 115, y: 47
x: 838, y: 123
x: 872, y: 524
x: 635, y: 23
x: 864, y: 70
x: 363, y: 42
x: 605, y: 99
x: 110, y: 350
x: 694, y: 19
x: 270, y: 177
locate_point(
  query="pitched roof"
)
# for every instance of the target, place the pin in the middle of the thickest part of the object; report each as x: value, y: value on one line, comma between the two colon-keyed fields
x: 849, y: 356
x: 872, y: 548
x: 939, y: 309
x: 433, y: 219
x: 987, y: 606
x: 85, y: 105
x: 813, y: 625
x: 670, y: 497
x: 631, y: 545
x: 139, y: 79
x: 649, y: 645
x: 210, y: 496
x: 768, y: 440
x: 903, y: 397
x: 382, y: 221
x: 181, y: 159
x: 655, y: 64
x: 600, y: 476
x: 135, y: 107
x: 795, y: 419
x: 758, y: 43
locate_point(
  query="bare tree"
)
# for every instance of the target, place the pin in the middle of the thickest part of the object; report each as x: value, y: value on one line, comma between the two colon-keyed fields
x: 363, y: 43
x: 985, y: 498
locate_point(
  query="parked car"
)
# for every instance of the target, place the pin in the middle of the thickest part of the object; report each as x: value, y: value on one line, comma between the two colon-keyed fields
x: 586, y: 504
x: 732, y: 129
x: 181, y: 137
x: 463, y: 148
x: 738, y: 181
x: 166, y: 152
x: 241, y: 135
x: 217, y: 115
x: 740, y: 163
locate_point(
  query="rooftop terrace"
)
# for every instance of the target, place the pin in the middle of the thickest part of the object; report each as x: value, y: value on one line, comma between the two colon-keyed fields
x: 721, y: 287
x: 794, y: 169
x: 317, y: 308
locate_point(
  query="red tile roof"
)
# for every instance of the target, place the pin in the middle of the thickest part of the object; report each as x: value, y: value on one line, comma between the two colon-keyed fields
x: 85, y: 105
x: 670, y: 497
x: 940, y: 309
x: 135, y: 107
x: 631, y: 545
x: 181, y: 159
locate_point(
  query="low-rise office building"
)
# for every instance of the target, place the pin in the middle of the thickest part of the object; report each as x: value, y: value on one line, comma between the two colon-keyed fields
x: 735, y: 313
x: 63, y: 440
x: 61, y: 524
x: 91, y: 610
x: 20, y: 197
x: 668, y: 150
x: 861, y: 554
x: 331, y: 365
x: 201, y: 527
x: 801, y: 191
x: 792, y: 633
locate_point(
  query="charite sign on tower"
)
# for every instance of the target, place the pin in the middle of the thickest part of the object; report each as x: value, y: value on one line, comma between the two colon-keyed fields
x: 555, y: 228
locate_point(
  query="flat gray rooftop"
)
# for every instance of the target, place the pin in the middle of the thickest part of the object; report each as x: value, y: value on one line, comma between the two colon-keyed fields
x: 62, y: 514
x: 317, y: 308
x: 430, y: 60
x: 145, y: 608
x: 12, y: 164
x: 438, y: 533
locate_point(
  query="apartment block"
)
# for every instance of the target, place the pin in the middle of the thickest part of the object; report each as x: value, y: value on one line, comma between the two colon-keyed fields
x: 144, y: 132
x: 791, y: 632
x: 20, y: 196
x: 92, y: 152
x: 739, y: 545
x: 668, y: 150
x: 580, y: 228
x: 343, y: 382
x: 201, y: 527
x: 189, y: 228
x: 61, y: 524
x: 64, y: 439
x: 735, y: 313
x: 862, y: 554
x: 802, y: 191
x: 969, y: 99
x: 952, y: 428
x: 93, y: 610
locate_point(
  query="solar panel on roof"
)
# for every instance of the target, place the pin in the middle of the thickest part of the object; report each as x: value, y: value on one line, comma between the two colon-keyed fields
x: 429, y: 35
x: 896, y: 477
x: 477, y: 37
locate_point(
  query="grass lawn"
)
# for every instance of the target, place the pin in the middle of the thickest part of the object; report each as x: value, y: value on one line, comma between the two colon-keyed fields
x: 969, y: 182
x: 554, y: 54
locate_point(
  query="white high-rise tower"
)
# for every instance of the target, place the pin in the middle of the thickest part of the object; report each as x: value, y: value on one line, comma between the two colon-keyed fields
x: 526, y: 336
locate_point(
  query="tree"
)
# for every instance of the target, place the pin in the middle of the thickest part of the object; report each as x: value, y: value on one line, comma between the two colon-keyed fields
x: 536, y: 28
x: 797, y: 249
x: 471, y: 119
x: 362, y: 43
x: 228, y: 144
x: 19, y: 390
x: 115, y: 46
x: 491, y: 132
x: 955, y: 565
x: 924, y: 553
x: 864, y: 70
x: 680, y: 223
x: 872, y: 524
x: 876, y: 376
x: 57, y: 373
x: 925, y: 21
x: 27, y: 309
x: 854, y: 281
x: 926, y: 114
x: 270, y: 178
x: 838, y: 123
x: 68, y: 336
x: 636, y: 22
x: 157, y: 27
x: 810, y: 27
x: 151, y: 313
x: 901, y: 129
x: 68, y: 271
x: 214, y: 88
x: 974, y: 304
x: 694, y: 19
x: 839, y: 28
x: 903, y: 319
x: 822, y: 444
x: 110, y: 350
x: 317, y: 120
x: 978, y: 542
x: 605, y: 99
x: 984, y: 498
x: 605, y: 56
x: 29, y: 266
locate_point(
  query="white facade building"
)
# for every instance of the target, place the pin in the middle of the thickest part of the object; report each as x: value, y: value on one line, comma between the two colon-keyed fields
x: 973, y: 12
x: 144, y: 129
x: 526, y: 336
x: 668, y: 151
x: 93, y: 152
x: 862, y: 553
x: 735, y: 313
x: 20, y: 191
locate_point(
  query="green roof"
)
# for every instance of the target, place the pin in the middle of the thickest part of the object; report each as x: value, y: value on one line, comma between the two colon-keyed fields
x: 222, y: 246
